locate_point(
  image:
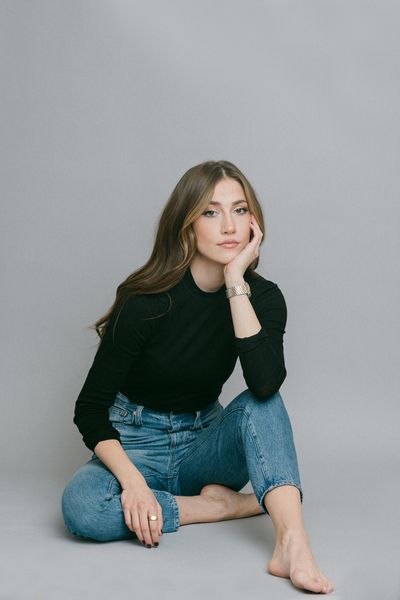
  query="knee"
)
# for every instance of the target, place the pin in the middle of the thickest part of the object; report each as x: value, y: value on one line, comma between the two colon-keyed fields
x: 80, y: 507
x: 247, y: 399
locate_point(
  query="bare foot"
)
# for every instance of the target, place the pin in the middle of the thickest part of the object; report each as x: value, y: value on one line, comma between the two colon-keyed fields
x: 237, y: 505
x: 292, y: 558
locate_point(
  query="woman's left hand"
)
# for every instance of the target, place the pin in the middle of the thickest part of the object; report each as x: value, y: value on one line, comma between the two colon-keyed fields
x: 238, y: 265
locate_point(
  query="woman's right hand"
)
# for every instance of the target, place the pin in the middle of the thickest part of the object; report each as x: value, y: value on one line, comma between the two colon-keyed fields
x: 138, y: 503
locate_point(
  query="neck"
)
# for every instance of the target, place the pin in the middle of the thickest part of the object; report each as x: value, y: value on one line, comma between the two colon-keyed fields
x: 208, y: 275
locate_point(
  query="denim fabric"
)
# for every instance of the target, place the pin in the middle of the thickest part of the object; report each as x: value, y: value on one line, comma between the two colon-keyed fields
x: 179, y: 453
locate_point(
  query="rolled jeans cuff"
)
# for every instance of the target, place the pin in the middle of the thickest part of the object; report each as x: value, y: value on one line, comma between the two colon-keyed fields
x: 170, y: 510
x: 274, y: 485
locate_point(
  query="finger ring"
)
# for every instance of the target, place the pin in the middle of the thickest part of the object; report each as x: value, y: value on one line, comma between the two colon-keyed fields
x: 153, y: 518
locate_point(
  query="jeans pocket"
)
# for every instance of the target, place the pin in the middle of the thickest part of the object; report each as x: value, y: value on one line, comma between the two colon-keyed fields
x: 212, y: 416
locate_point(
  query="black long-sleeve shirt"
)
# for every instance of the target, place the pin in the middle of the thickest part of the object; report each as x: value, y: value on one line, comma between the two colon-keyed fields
x: 180, y: 361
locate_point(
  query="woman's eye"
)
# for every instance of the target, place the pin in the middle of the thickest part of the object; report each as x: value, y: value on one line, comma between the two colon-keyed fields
x: 240, y: 208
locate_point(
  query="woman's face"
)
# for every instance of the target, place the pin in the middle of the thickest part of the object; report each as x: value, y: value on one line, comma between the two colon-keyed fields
x: 227, y: 217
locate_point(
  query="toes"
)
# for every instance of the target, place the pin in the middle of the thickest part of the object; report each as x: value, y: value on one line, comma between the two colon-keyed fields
x: 327, y: 585
x: 330, y: 586
x: 303, y: 580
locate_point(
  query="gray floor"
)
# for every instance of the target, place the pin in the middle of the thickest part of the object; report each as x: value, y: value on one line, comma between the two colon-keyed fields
x: 352, y: 521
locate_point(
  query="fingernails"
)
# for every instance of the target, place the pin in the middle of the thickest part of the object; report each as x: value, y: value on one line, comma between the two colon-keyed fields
x: 148, y: 545
x: 156, y: 544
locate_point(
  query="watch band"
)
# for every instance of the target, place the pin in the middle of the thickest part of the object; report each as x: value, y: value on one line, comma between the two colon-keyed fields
x: 238, y: 290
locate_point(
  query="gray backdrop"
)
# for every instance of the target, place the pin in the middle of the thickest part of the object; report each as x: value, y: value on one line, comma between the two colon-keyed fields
x: 105, y: 104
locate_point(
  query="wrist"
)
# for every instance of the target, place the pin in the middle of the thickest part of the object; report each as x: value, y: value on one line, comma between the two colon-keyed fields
x: 132, y: 480
x: 234, y: 279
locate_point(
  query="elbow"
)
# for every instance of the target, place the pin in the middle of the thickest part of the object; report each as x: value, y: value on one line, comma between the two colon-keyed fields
x: 77, y: 419
x: 270, y: 386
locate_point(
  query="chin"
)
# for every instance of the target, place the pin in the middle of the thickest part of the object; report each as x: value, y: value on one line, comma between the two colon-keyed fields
x: 217, y: 260
x: 220, y: 258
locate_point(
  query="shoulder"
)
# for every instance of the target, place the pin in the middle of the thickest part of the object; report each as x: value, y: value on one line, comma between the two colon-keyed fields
x: 264, y: 291
x: 260, y: 284
x: 135, y: 315
x: 142, y: 306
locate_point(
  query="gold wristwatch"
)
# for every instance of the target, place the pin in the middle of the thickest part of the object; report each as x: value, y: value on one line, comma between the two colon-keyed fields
x: 238, y: 290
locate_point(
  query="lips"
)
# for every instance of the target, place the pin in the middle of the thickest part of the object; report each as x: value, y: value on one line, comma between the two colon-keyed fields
x: 228, y: 244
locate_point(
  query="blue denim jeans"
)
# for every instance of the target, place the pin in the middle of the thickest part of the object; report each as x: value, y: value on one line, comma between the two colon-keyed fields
x: 178, y: 454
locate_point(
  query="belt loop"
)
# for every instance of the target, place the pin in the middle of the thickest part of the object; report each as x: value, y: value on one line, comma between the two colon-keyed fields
x: 137, y: 413
x: 197, y: 421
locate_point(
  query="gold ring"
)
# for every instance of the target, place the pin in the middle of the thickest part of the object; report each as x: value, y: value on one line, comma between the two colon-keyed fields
x: 153, y: 518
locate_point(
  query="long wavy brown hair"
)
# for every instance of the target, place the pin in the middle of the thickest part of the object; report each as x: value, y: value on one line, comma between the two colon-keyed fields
x: 175, y: 242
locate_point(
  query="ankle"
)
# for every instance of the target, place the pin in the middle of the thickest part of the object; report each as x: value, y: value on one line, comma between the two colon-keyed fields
x: 290, y: 535
x: 218, y: 508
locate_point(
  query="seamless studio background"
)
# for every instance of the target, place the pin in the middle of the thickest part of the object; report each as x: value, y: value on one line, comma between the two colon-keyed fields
x: 105, y: 105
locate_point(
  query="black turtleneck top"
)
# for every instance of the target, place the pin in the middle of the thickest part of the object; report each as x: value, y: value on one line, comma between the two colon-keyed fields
x: 180, y: 361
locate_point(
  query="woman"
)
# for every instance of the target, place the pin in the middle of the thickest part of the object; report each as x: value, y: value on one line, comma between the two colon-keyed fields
x: 165, y: 451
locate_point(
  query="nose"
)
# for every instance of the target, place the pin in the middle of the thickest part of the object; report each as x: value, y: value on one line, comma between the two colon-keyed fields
x: 228, y: 225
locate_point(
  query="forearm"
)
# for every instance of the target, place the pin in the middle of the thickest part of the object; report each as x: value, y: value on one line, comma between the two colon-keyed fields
x: 112, y: 454
x: 260, y: 353
x: 245, y: 321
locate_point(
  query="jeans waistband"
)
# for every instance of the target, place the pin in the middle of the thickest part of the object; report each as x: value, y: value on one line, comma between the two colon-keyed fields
x: 165, y: 419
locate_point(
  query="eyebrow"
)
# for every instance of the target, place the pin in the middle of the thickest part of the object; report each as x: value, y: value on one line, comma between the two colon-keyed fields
x: 233, y: 203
